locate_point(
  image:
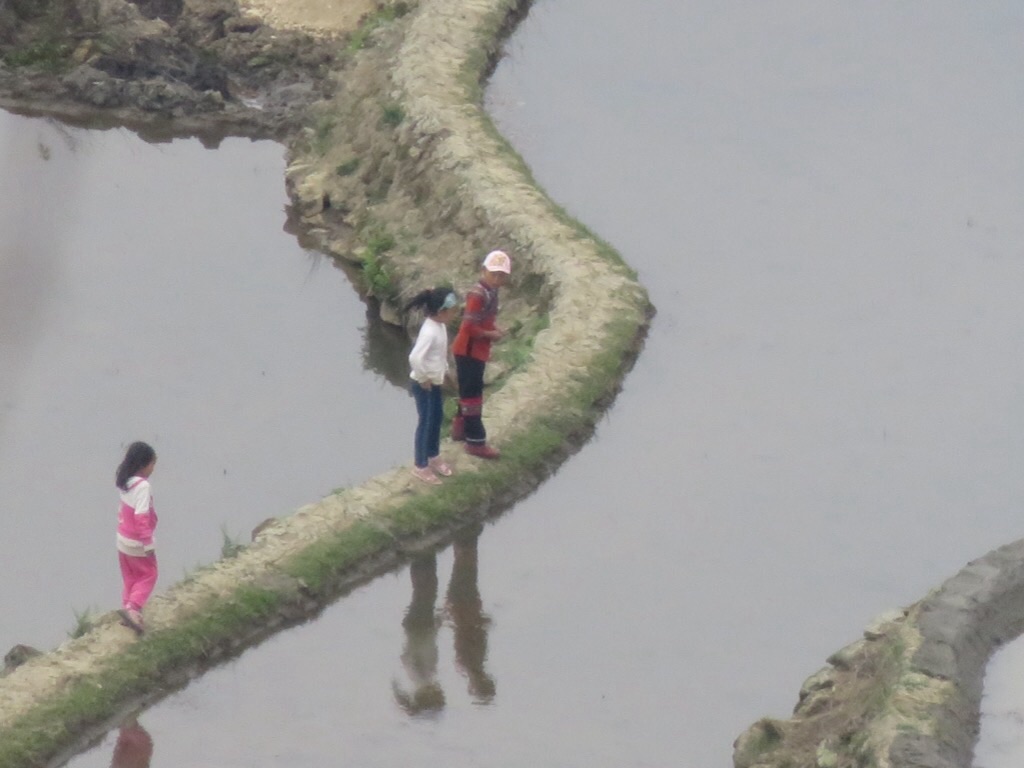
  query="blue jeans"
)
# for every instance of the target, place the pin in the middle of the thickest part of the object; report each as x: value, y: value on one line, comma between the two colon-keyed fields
x: 428, y: 428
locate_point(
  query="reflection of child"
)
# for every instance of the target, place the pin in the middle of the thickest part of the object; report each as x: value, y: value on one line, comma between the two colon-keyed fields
x: 465, y: 609
x: 136, y: 521
x: 472, y: 350
x: 420, y: 654
x: 134, y: 747
x: 429, y: 363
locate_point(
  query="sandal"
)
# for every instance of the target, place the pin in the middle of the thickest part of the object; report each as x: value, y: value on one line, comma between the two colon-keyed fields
x: 438, y: 465
x: 132, y: 620
x: 426, y: 474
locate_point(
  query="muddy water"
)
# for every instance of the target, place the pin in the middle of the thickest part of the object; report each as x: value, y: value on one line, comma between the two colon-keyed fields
x: 826, y: 421
x: 149, y: 291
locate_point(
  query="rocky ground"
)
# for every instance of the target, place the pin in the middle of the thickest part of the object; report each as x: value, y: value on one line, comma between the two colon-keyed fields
x: 193, y: 62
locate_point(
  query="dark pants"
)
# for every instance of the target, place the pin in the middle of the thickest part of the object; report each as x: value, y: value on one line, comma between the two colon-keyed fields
x: 471, y: 397
x: 428, y: 428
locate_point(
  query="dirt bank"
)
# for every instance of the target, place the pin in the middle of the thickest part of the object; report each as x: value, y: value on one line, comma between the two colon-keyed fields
x: 907, y: 694
x: 179, y: 66
x: 393, y: 166
x: 320, y: 17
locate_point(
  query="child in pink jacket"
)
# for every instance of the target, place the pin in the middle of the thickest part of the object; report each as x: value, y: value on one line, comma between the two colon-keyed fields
x: 136, y: 520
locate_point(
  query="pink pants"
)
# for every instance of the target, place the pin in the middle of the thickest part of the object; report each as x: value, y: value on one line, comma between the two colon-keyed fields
x: 139, y: 575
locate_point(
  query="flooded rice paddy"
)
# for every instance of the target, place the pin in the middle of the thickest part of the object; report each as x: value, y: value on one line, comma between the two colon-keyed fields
x: 149, y: 291
x: 826, y: 421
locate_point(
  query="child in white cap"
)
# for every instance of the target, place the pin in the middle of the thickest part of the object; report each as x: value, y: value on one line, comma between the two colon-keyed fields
x: 472, y: 350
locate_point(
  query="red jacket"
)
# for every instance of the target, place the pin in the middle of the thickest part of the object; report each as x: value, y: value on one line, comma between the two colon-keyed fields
x: 477, y: 319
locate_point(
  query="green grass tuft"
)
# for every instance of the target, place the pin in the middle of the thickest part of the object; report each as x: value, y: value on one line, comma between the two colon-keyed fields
x: 392, y: 115
x: 377, y: 278
x: 84, y: 621
x: 348, y: 167
x: 230, y: 546
x: 362, y: 37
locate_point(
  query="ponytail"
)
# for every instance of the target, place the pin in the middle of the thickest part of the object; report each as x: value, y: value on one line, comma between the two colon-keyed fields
x: 138, y: 456
x: 433, y: 300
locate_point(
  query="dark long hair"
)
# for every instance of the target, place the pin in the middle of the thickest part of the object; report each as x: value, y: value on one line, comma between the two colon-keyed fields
x: 138, y: 456
x: 431, y: 300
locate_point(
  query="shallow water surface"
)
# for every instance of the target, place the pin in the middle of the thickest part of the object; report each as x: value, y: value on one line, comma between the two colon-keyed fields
x: 149, y: 291
x: 826, y: 421
x: 1001, y: 741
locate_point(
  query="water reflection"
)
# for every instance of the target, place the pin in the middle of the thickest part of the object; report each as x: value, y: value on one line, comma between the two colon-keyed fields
x: 33, y: 255
x: 463, y: 611
x: 1001, y: 725
x: 385, y: 346
x: 134, y: 747
x: 247, y: 334
x: 419, y: 656
x: 150, y: 131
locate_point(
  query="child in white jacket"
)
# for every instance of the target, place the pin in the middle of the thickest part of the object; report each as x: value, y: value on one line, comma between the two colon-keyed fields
x: 428, y: 362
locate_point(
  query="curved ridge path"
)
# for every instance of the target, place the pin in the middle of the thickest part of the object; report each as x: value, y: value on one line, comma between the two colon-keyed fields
x: 597, y: 315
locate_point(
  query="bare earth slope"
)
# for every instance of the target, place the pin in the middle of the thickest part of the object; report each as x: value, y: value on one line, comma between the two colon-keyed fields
x: 319, y: 16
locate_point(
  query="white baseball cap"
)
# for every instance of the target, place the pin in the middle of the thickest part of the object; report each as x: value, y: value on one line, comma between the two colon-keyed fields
x: 498, y: 261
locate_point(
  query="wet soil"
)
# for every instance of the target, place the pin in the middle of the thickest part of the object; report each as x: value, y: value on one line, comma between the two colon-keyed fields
x: 202, y: 64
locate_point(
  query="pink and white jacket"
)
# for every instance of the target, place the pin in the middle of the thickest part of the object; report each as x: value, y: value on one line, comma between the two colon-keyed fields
x: 136, y: 519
